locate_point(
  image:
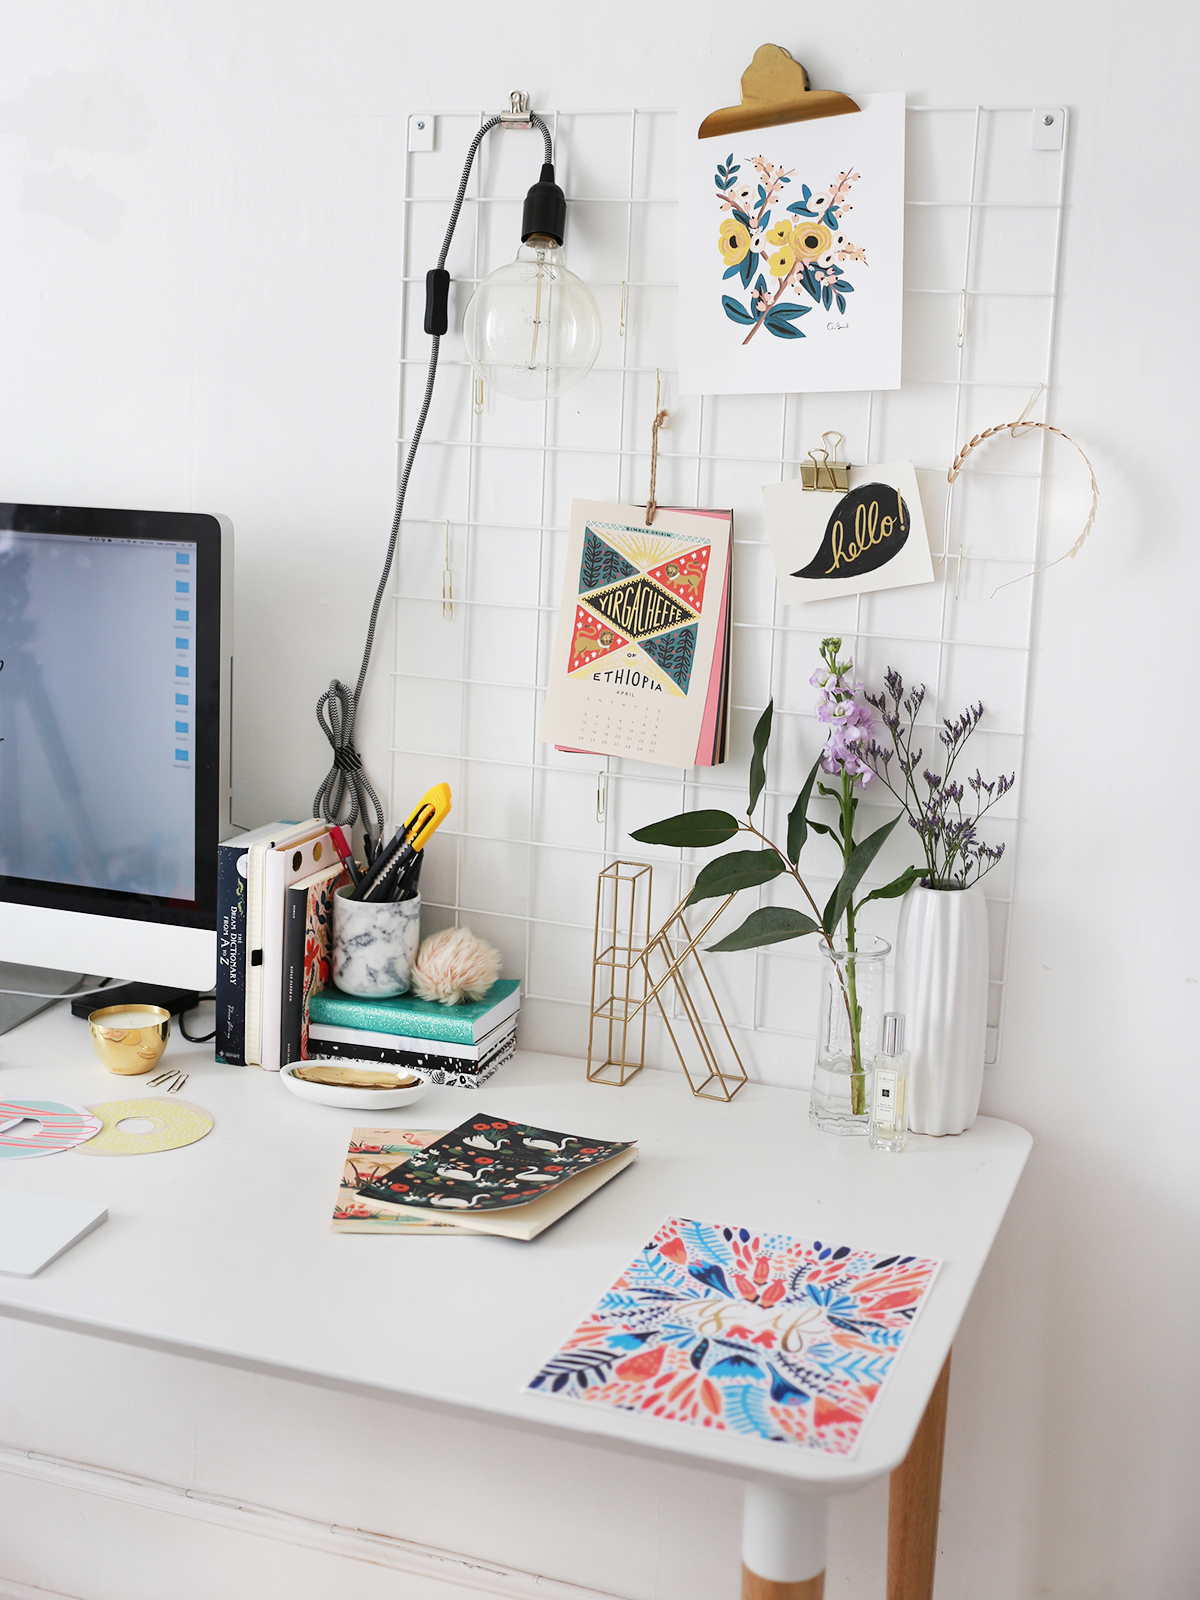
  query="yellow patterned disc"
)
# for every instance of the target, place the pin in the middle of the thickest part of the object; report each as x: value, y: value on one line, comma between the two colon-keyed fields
x: 173, y: 1123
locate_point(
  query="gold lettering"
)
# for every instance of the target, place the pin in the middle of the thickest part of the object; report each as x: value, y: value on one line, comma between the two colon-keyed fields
x: 836, y: 546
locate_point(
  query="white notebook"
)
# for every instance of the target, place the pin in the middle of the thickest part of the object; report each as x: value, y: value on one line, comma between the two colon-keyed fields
x: 35, y: 1228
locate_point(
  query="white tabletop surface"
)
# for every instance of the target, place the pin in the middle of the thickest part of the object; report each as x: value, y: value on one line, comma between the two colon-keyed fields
x: 223, y: 1250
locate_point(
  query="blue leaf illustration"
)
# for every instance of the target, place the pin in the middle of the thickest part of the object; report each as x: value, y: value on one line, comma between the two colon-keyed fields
x: 782, y: 1392
x: 746, y: 1409
x: 733, y: 271
x: 762, y: 195
x: 800, y: 210
x: 749, y: 262
x: 841, y: 302
x: 698, y: 1354
x: 735, y: 311
x: 740, y: 216
x: 827, y: 296
x: 781, y: 321
x: 735, y: 1366
x: 707, y: 1271
x: 846, y: 288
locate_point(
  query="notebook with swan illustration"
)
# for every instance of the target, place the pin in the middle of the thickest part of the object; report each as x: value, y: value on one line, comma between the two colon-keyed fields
x: 492, y: 1175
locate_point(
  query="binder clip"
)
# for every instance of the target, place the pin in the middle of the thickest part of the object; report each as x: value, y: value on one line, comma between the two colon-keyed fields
x: 819, y: 472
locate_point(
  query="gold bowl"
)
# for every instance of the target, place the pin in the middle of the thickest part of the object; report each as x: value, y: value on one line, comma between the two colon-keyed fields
x: 127, y: 1050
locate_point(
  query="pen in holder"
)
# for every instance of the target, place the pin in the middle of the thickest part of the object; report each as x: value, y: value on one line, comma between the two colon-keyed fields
x: 374, y: 944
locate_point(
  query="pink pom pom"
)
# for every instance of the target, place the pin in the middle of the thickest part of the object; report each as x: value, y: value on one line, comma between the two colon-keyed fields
x: 453, y: 966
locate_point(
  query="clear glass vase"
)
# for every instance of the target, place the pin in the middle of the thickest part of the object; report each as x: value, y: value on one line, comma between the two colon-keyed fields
x: 849, y: 1035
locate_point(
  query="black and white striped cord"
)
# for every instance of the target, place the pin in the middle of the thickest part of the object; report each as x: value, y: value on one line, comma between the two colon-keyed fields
x: 346, y: 782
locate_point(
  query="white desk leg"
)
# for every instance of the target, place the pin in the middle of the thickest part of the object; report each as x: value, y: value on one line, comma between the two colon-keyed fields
x: 783, y: 1545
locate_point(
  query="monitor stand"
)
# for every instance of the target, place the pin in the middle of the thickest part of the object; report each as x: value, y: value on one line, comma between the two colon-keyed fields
x: 51, y: 985
x: 18, y: 1008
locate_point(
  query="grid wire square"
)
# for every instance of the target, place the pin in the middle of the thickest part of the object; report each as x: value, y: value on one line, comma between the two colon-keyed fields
x: 439, y: 489
x: 912, y: 613
x: 654, y: 156
x: 810, y: 416
x: 595, y: 156
x: 493, y: 877
x: 560, y: 968
x: 654, y: 243
x: 497, y: 721
x: 651, y: 328
x: 502, y: 566
x: 596, y: 242
x: 971, y: 669
x: 507, y: 485
x: 1008, y: 340
x: 938, y: 151
x: 578, y: 475
x: 427, y: 221
x: 586, y: 416
x: 432, y: 713
x: 916, y: 424
x: 988, y: 608
x: 494, y: 801
x: 563, y: 888
x: 564, y: 804
x: 501, y: 646
x: 679, y: 435
x: 450, y: 412
x: 931, y: 338
x: 935, y: 248
x: 1014, y: 251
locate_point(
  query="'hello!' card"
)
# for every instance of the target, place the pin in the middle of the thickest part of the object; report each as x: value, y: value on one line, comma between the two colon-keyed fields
x: 827, y: 543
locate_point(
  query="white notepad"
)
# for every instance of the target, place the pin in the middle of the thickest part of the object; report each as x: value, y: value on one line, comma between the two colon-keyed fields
x: 35, y: 1228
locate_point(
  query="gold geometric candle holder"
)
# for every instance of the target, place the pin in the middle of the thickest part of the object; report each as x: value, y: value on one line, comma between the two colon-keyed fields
x: 631, y: 968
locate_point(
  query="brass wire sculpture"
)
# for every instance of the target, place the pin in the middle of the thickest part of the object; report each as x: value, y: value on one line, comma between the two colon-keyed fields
x: 624, y: 982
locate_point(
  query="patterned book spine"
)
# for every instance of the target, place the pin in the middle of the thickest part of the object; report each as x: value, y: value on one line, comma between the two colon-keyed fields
x: 231, y: 957
x: 317, y: 963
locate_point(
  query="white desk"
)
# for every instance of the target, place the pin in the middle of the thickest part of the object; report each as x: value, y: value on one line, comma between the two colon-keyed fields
x: 223, y: 1250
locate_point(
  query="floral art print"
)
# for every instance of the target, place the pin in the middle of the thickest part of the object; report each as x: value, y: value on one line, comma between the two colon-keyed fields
x: 792, y: 255
x: 753, y: 1333
x: 802, y: 244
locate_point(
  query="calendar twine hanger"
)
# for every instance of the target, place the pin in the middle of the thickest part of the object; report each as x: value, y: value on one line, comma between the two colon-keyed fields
x: 1015, y: 429
x: 661, y: 420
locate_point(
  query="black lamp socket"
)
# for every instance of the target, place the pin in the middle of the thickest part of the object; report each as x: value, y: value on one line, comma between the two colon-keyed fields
x: 545, y: 214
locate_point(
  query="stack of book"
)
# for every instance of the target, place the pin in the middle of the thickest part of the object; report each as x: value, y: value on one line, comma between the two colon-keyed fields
x: 275, y: 889
x: 462, y: 1046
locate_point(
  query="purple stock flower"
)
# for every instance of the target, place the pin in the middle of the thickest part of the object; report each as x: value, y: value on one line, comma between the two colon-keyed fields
x: 844, y: 711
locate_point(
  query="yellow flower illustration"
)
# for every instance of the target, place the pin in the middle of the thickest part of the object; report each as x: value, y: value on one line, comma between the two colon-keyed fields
x: 734, y: 242
x: 779, y: 232
x: 810, y: 240
x: 782, y: 262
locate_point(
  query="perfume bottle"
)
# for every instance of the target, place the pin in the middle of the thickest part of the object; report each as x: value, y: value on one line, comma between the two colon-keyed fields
x: 889, y: 1096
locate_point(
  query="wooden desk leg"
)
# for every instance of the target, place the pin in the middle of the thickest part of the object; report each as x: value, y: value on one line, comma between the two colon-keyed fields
x: 783, y: 1545
x: 914, y: 1494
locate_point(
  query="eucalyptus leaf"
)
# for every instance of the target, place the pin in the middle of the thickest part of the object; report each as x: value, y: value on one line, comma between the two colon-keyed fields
x: 758, y: 761
x: 769, y: 925
x: 694, y: 830
x: 897, y: 887
x: 861, y: 858
x: 798, y: 823
x: 741, y: 869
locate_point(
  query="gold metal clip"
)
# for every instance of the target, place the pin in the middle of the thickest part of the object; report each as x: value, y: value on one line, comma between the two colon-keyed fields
x: 447, y: 582
x: 819, y: 472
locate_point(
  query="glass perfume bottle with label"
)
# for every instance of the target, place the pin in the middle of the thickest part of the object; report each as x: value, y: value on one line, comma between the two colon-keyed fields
x: 889, y: 1094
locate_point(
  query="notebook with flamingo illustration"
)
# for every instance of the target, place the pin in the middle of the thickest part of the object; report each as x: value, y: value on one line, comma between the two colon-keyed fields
x: 495, y: 1176
x: 786, y: 1340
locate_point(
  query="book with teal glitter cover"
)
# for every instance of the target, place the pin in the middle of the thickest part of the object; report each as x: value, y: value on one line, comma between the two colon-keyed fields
x: 404, y: 1014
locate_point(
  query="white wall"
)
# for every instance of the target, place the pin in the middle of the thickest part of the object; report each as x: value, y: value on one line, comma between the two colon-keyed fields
x: 198, y: 309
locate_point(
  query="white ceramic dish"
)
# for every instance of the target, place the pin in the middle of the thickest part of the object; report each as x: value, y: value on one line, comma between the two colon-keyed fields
x: 349, y: 1098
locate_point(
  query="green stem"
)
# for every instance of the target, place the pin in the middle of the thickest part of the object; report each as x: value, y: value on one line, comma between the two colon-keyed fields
x: 858, y: 1095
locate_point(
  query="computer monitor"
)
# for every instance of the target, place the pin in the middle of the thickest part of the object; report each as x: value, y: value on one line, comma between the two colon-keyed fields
x: 115, y: 684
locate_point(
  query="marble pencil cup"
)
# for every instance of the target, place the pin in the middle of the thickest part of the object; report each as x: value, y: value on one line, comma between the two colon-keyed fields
x: 374, y: 944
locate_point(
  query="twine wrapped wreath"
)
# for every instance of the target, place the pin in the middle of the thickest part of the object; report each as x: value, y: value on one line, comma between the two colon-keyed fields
x: 1015, y: 430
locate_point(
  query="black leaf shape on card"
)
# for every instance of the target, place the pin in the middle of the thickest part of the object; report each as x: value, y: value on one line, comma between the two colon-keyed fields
x: 867, y: 528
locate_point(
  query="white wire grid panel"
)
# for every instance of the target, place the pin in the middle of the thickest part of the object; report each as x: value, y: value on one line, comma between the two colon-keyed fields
x: 531, y: 827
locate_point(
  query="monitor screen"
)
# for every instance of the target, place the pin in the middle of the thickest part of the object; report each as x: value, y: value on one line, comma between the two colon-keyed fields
x: 108, y: 710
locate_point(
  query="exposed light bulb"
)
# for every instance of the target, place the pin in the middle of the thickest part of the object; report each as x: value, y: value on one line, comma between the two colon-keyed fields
x: 532, y: 328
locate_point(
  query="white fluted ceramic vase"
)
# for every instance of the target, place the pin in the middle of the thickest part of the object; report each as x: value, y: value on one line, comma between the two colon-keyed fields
x: 942, y: 989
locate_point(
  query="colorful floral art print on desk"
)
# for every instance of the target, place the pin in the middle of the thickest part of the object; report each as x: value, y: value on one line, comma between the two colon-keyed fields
x: 640, y: 644
x: 792, y: 246
x: 751, y: 1333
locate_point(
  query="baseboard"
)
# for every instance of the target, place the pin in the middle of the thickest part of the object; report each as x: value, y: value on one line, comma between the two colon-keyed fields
x: 266, y: 1522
